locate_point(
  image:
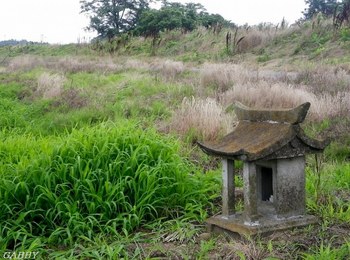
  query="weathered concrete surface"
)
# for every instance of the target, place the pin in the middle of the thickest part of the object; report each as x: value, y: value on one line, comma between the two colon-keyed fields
x: 238, y: 225
x: 288, y: 188
x: 290, y: 193
x: 250, y: 192
x: 284, y: 210
x: 291, y: 116
x: 254, y: 140
x: 228, y: 187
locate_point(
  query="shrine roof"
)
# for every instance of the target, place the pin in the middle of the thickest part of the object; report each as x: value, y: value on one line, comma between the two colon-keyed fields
x: 263, y: 134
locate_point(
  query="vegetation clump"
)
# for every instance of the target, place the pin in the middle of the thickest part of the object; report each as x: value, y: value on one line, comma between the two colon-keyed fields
x: 105, y: 179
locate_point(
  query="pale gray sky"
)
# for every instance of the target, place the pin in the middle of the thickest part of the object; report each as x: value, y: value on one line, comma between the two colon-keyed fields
x: 60, y: 21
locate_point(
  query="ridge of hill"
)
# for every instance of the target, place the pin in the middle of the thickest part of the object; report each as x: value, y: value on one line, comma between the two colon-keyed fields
x: 265, y: 44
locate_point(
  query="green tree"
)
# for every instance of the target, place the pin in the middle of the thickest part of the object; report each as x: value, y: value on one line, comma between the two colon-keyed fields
x: 176, y: 16
x: 342, y: 15
x: 325, y: 7
x: 110, y: 18
x: 169, y: 17
x: 153, y: 21
x: 208, y: 20
x: 183, y: 16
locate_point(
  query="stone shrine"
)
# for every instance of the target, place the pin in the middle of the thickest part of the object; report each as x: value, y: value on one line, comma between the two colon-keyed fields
x: 272, y: 146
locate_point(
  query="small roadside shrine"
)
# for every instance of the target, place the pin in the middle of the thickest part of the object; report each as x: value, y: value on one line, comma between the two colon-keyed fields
x: 272, y: 146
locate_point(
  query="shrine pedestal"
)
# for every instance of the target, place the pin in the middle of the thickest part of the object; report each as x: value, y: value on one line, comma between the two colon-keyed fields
x: 237, y: 225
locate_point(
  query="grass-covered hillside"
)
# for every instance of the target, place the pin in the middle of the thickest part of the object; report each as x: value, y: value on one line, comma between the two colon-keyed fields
x: 97, y: 142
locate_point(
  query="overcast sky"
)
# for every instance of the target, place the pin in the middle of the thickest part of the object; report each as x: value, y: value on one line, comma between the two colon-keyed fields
x: 60, y: 21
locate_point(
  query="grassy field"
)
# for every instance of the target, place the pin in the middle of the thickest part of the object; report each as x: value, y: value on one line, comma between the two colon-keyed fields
x: 97, y: 154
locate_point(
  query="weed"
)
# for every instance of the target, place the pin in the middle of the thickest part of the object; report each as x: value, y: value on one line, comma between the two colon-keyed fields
x: 345, y: 34
x: 327, y: 252
x: 205, y: 248
x: 263, y: 58
x: 329, y: 192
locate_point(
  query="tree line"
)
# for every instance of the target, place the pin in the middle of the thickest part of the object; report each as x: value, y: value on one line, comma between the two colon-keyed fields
x: 110, y: 18
x: 13, y: 42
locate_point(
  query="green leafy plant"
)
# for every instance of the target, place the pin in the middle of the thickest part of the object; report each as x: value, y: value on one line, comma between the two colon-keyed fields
x: 103, y: 179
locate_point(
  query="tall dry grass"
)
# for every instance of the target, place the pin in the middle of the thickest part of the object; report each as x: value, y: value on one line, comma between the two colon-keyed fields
x: 75, y: 64
x: 168, y: 69
x: 50, y: 85
x: 66, y: 64
x: 25, y: 63
x: 280, y: 95
x: 247, y: 38
x: 254, y: 38
x: 136, y: 64
x: 322, y: 78
x: 222, y: 76
x: 326, y: 87
x: 203, y: 118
